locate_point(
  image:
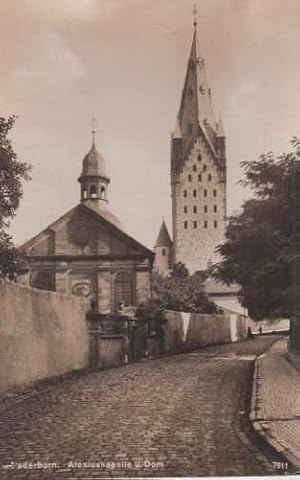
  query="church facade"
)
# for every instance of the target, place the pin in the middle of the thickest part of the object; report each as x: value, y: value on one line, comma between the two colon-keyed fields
x: 198, y: 171
x: 87, y: 251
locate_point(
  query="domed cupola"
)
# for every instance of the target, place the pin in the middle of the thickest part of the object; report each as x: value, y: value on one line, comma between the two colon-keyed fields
x: 93, y: 179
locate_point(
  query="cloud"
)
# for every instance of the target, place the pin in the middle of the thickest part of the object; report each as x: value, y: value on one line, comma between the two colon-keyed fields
x: 63, y: 9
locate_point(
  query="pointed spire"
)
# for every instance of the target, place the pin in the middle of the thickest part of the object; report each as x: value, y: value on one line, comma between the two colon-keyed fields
x: 196, y: 103
x: 163, y: 239
x: 220, y: 128
x: 177, y: 130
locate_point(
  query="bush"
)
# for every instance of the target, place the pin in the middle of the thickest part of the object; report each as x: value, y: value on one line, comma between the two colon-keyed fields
x: 178, y: 292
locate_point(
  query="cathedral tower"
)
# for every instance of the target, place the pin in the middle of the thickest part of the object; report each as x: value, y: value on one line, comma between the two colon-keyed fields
x: 198, y: 171
x: 93, y: 179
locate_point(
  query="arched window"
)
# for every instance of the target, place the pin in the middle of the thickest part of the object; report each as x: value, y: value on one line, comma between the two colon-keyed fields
x: 84, y: 194
x: 205, y: 224
x: 163, y: 252
x: 102, y: 193
x: 93, y: 191
x: 185, y: 224
x: 195, y: 224
x: 205, y: 193
x: 204, y: 168
x: 199, y: 177
x: 194, y: 193
x: 215, y: 223
x: 209, y: 177
x: 205, y: 208
x: 215, y: 193
x: 185, y: 193
x: 195, y: 208
x: 185, y: 209
x: 43, y: 280
x: 190, y: 178
x: 194, y: 168
x: 123, y: 291
x: 215, y: 208
x: 199, y: 157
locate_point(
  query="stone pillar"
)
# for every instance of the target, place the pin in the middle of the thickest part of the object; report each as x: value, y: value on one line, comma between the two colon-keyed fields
x: 142, y: 286
x: 62, y: 281
x: 104, y: 292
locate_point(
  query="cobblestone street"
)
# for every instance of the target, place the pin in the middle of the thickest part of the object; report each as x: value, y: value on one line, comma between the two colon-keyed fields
x: 185, y: 415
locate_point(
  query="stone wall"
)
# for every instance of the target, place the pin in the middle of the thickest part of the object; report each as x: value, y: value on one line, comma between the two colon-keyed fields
x: 42, y: 334
x: 188, y: 331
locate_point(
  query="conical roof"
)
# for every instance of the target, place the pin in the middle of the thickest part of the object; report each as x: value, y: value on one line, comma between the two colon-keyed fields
x: 177, y: 130
x: 93, y: 164
x: 163, y: 239
x: 220, y: 128
x: 196, y: 108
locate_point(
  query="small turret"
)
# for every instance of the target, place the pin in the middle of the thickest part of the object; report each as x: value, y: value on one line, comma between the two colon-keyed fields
x: 93, y: 179
x: 163, y: 251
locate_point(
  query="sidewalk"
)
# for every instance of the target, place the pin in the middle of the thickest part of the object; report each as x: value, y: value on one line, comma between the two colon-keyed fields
x: 275, y: 404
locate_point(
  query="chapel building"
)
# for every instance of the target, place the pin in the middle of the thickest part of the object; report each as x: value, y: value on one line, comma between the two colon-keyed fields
x: 87, y: 251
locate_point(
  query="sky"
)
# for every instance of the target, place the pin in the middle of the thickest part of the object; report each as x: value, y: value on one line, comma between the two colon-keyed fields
x: 123, y: 62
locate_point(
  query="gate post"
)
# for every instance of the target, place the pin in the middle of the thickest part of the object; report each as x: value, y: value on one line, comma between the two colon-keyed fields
x: 93, y: 321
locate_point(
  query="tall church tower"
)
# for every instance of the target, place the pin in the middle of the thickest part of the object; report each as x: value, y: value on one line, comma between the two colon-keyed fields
x: 198, y: 171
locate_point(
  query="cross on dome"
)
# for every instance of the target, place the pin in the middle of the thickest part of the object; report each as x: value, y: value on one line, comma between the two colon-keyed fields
x: 93, y: 130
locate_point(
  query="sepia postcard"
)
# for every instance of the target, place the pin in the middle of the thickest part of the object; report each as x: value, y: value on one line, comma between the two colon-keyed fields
x: 149, y: 239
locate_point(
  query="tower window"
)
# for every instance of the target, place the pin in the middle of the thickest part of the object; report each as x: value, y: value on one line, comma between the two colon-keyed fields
x: 102, y: 193
x: 199, y: 177
x: 205, y: 193
x: 185, y: 224
x: 205, y: 224
x: 215, y: 223
x: 185, y: 193
x: 195, y: 224
x: 215, y: 193
x: 194, y: 193
x: 204, y: 168
x: 84, y: 194
x: 185, y: 209
x: 194, y: 168
x: 215, y: 208
x: 209, y: 177
x: 199, y: 157
x: 205, y: 208
x: 195, y: 208
x: 190, y: 178
x: 163, y: 252
x: 93, y: 191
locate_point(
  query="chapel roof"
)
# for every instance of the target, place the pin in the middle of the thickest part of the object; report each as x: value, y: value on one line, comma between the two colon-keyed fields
x: 103, y: 214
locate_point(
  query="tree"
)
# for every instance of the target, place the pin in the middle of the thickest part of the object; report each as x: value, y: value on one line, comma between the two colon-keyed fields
x: 12, y: 172
x: 180, y: 292
x: 261, y: 251
x: 179, y: 270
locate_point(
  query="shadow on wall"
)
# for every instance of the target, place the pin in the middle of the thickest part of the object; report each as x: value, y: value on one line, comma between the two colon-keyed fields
x: 188, y: 331
x: 42, y: 334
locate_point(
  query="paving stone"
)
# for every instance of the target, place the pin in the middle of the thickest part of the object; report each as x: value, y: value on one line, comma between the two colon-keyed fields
x: 172, y: 416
